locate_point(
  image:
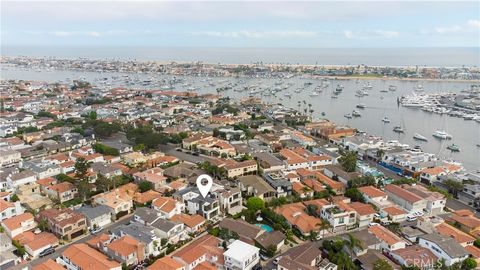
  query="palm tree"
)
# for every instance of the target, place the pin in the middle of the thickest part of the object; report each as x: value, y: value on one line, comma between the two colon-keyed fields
x: 353, y: 243
x: 324, y: 225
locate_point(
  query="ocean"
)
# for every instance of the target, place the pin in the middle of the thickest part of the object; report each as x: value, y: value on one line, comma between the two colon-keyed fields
x: 439, y: 57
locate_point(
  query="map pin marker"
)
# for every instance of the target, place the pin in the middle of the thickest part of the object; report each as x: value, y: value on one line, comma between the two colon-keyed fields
x: 204, y: 188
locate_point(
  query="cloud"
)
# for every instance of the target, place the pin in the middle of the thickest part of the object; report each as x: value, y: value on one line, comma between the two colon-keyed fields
x: 466, y: 27
x: 65, y: 33
x: 371, y: 34
x: 257, y: 34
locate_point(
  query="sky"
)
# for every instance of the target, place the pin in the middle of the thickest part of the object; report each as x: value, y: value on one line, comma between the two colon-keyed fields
x: 263, y: 24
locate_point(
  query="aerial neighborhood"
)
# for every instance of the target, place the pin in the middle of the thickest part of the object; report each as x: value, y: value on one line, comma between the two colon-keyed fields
x: 96, y: 178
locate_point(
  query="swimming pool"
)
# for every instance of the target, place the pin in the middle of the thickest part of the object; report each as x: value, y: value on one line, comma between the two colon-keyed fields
x: 265, y: 227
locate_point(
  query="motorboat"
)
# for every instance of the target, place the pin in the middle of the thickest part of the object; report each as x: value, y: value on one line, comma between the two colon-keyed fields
x: 313, y: 94
x: 356, y: 113
x: 442, y: 135
x: 348, y: 115
x: 453, y: 147
x: 419, y: 137
x: 398, y: 129
x: 392, y: 88
x: 361, y: 105
x: 385, y: 120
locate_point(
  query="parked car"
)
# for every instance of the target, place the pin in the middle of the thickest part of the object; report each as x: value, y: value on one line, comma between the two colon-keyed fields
x: 373, y: 224
x: 95, y: 231
x: 385, y: 223
x: 46, y: 252
x: 411, y: 218
x: 276, y: 260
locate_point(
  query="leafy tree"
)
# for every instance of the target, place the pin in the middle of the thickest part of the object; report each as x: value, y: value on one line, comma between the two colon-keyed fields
x: 84, y: 189
x: 361, y: 181
x: 43, y: 225
x: 255, y: 204
x: 105, y: 149
x: 402, y: 181
x: 271, y: 250
x: 348, y: 161
x: 353, y: 243
x: 46, y: 114
x: 92, y: 115
x: 477, y: 242
x: 14, y: 198
x: 453, y: 186
x: 20, y: 249
x: 64, y: 178
x: 312, y: 210
x: 468, y: 264
x: 105, y: 130
x: 145, y: 186
x: 81, y: 167
x: 355, y: 195
x: 382, y: 264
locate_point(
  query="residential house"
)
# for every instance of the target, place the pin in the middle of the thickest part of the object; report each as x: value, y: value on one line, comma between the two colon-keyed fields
x: 97, y: 216
x: 443, y: 247
x: 336, y: 172
x: 154, y: 176
x: 240, y: 255
x: 18, y: 224
x: 193, y: 223
x: 208, y: 207
x: 394, y: 213
x: 166, y: 263
x: 460, y: 237
x: 306, y: 256
x: 435, y: 201
x: 36, y: 243
x: 466, y: 221
x: 254, y: 185
x: 415, y: 256
x: 297, y: 217
x: 340, y: 215
x: 236, y: 169
x: 81, y: 256
x: 407, y: 200
x: 143, y: 234
x: 388, y: 240
x: 204, y: 249
x: 64, y: 223
x: 168, y: 207
x: 171, y: 230
x: 365, y: 213
x: 120, y: 202
x: 126, y: 250
x: 8, y: 157
x: 9, y: 209
x: 62, y: 192
x: 230, y: 200
x: 374, y: 196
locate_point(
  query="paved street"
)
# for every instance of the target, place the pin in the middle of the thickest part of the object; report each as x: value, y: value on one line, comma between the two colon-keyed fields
x: 83, y: 239
x: 171, y: 150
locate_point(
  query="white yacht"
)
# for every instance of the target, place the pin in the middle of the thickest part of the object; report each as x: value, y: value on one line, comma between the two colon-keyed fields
x: 361, y: 105
x: 419, y: 137
x: 442, y: 135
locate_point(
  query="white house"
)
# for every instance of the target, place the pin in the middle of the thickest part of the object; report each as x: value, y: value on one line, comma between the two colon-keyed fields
x: 443, y: 247
x: 241, y: 255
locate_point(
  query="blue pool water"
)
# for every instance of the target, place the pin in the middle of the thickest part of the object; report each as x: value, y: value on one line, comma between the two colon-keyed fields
x: 265, y: 227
